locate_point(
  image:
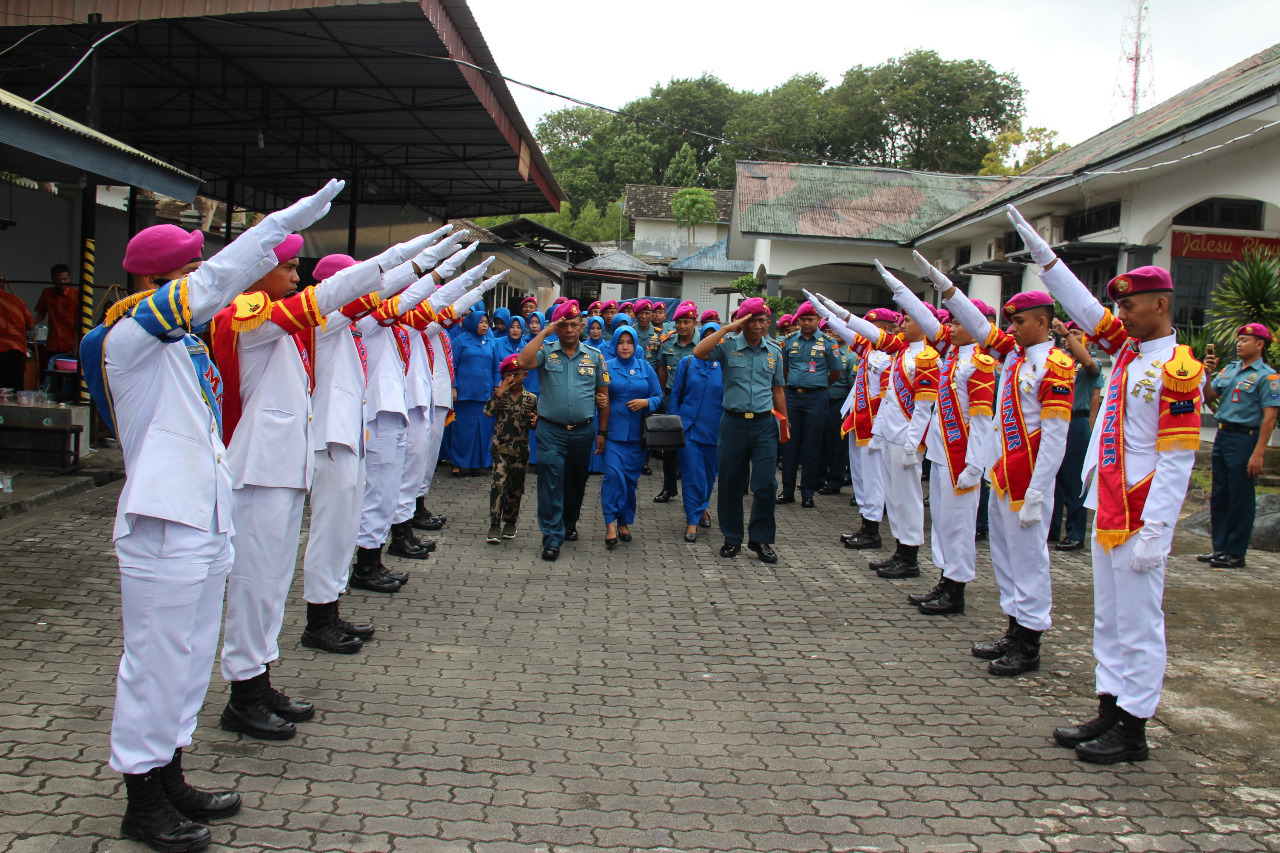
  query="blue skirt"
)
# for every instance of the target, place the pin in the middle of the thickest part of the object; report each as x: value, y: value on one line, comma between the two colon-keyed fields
x: 471, y: 434
x: 622, y: 463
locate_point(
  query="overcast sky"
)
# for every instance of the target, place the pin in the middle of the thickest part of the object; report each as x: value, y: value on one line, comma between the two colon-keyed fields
x: 1066, y: 53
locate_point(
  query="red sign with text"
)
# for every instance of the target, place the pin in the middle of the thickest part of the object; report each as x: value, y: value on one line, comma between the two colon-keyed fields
x: 1225, y: 247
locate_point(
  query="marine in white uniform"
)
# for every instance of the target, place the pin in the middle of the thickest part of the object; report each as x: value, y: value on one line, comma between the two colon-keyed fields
x: 859, y: 412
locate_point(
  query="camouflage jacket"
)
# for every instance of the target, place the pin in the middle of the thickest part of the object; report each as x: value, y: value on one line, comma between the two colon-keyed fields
x: 511, y: 417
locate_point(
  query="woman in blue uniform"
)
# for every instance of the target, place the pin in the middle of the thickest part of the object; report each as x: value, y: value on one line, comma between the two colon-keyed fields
x: 607, y: 346
x: 498, y: 328
x: 532, y: 381
x: 507, y: 344
x: 471, y: 431
x: 697, y: 393
x: 595, y: 338
x: 634, y: 391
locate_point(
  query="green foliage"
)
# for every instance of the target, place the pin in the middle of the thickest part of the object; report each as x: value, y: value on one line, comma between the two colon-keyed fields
x: 780, y: 305
x: 1197, y: 339
x: 1034, y: 147
x: 1249, y: 293
x: 592, y: 225
x: 682, y: 171
x: 746, y: 285
x: 749, y: 287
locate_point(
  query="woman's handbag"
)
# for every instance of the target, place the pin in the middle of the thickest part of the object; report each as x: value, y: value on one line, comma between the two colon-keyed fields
x: 661, y: 432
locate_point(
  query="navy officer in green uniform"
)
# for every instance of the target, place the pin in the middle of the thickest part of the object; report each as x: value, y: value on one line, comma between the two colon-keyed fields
x: 670, y: 351
x: 1248, y: 391
x: 749, y: 432
x: 573, y: 378
x: 810, y: 364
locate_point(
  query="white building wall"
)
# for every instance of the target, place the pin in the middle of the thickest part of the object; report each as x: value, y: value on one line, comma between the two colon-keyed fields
x: 664, y: 239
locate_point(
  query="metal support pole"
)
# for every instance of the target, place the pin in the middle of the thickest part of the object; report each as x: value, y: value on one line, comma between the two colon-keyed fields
x: 351, y: 214
x: 89, y: 210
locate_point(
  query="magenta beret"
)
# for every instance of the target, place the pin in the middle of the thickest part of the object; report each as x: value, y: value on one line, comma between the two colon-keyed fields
x: 331, y: 264
x: 289, y: 248
x: 510, y: 364
x: 882, y: 315
x: 1256, y: 329
x: 596, y: 304
x: 566, y: 311
x: 162, y: 248
x: 944, y: 316
x: 560, y: 300
x: 643, y: 305
x: 1027, y: 300
x: 805, y: 309
x: 983, y: 307
x: 710, y: 314
x: 605, y: 306
x: 752, y: 307
x: 529, y: 300
x: 685, y: 309
x: 1141, y: 280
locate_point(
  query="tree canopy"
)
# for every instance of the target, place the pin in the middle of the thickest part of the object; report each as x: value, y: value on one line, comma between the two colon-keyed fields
x: 918, y: 111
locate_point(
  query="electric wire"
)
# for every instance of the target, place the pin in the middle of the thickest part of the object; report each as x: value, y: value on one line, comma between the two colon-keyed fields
x: 87, y: 54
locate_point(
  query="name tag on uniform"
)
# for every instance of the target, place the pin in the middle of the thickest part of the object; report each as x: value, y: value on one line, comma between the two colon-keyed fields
x: 813, y: 367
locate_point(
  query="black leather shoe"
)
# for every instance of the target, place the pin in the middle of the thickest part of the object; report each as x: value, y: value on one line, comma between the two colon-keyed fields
x: 900, y: 568
x: 664, y: 496
x: 922, y: 597
x: 401, y: 578
x: 150, y: 818
x: 866, y: 538
x: 727, y: 550
x: 1226, y: 561
x: 1108, y: 716
x: 853, y: 501
x: 806, y: 503
x: 550, y: 554
x: 610, y: 542
x: 323, y: 633
x: 405, y: 544
x: 950, y: 601
x: 195, y: 805
x: 1125, y: 741
x: 624, y: 535
x: 1069, y: 544
x: 369, y: 573
x: 427, y: 522
x: 571, y: 536
x: 691, y: 537
x: 763, y: 551
x: 293, y: 710
x: 784, y: 498
x: 705, y: 521
x: 1023, y: 655
x: 1209, y: 558
x: 993, y: 649
x: 646, y: 470
x: 877, y: 565
x: 247, y: 712
x: 829, y: 490
x: 363, y: 631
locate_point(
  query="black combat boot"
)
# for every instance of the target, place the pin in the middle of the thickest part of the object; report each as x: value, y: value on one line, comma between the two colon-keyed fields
x: 369, y: 573
x: 424, y: 520
x: 195, y: 805
x: 922, y: 597
x: 293, y: 710
x: 405, y: 544
x: 151, y: 819
x: 1125, y: 741
x: 362, y: 631
x: 324, y: 634
x: 950, y: 601
x: 903, y: 565
x: 1108, y: 716
x: 867, y: 537
x: 1023, y: 655
x: 995, y: 649
x: 247, y: 712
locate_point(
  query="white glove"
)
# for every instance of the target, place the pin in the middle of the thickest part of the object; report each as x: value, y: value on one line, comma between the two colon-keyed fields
x: 401, y: 252
x: 971, y: 476
x: 889, y: 278
x: 454, y: 262
x: 433, y: 255
x: 910, y: 458
x: 1040, y: 251
x: 823, y: 311
x: 940, y: 282
x: 306, y: 212
x: 876, y: 443
x: 463, y: 305
x: 455, y: 287
x: 1148, y: 551
x: 835, y: 308
x: 1029, y: 515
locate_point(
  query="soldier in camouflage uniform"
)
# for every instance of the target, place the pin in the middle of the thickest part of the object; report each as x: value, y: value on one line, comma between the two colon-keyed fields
x: 514, y: 410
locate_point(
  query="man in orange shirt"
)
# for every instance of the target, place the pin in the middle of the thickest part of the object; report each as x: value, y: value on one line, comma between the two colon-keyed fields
x: 60, y: 304
x: 15, y: 322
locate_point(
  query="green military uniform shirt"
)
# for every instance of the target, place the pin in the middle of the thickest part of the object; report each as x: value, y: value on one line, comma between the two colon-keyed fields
x: 670, y: 353
x: 511, y: 416
x: 809, y: 362
x: 568, y: 386
x: 848, y: 364
x: 1245, y: 391
x: 750, y: 373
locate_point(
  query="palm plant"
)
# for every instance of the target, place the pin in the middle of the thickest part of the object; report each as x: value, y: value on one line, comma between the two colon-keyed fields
x: 1249, y: 293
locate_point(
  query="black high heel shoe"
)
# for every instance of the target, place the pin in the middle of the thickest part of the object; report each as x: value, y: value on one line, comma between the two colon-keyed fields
x: 610, y: 543
x: 625, y: 537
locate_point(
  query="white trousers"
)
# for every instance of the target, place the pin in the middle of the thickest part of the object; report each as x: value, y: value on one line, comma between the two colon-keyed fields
x: 383, y: 471
x: 417, y: 446
x: 955, y: 519
x: 868, y: 482
x: 336, y: 497
x: 1020, y: 557
x: 268, y: 521
x: 1128, y: 628
x: 433, y: 448
x: 172, y: 578
x: 903, y: 494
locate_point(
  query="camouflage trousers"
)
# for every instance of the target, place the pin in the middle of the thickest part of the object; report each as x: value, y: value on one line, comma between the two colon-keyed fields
x: 507, y: 489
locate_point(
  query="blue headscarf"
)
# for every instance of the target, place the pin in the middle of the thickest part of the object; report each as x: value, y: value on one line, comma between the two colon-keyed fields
x: 471, y: 323
x: 595, y: 321
x: 636, y: 355
x: 708, y: 329
x: 542, y: 324
x: 619, y: 320
x: 501, y: 315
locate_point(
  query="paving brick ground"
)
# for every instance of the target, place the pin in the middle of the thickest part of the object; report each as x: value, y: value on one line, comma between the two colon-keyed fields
x: 652, y: 698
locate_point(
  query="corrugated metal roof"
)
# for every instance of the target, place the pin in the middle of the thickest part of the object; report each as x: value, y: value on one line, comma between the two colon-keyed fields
x: 654, y: 202
x: 22, y: 105
x: 713, y: 258
x: 849, y: 202
x: 617, y: 261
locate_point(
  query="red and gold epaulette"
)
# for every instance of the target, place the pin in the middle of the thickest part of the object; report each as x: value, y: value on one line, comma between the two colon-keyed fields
x: 124, y: 306
x: 982, y: 385
x: 1180, y: 402
x: 927, y: 376
x: 1057, y: 390
x: 1110, y: 334
x: 249, y: 311
x: 363, y: 306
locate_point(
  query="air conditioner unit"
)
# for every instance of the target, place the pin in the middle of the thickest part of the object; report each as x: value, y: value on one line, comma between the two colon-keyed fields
x: 995, y: 249
x: 1051, y: 228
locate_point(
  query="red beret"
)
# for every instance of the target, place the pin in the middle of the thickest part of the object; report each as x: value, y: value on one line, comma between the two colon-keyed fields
x: 1256, y: 329
x: 510, y: 364
x: 529, y: 300
x: 566, y: 311
x: 805, y: 308
x: 1026, y: 300
x: 685, y: 309
x: 882, y: 315
x: 289, y: 248
x: 1141, y: 280
x: 162, y: 248
x: 331, y: 264
x: 753, y: 307
x: 1070, y: 325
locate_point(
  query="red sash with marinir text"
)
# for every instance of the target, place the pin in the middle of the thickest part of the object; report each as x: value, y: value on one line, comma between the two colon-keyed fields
x: 1011, y: 475
x: 903, y: 387
x: 862, y: 415
x: 402, y: 344
x: 951, y: 422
